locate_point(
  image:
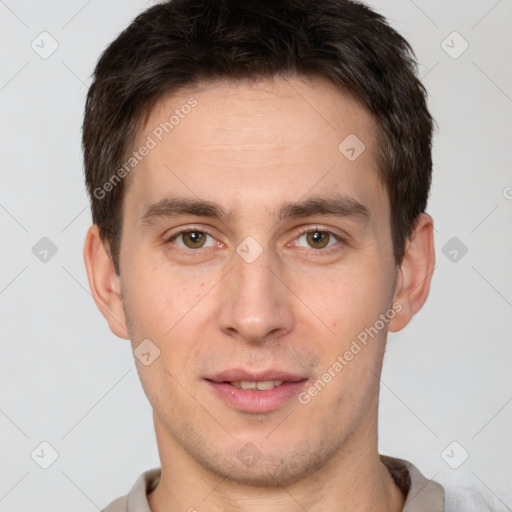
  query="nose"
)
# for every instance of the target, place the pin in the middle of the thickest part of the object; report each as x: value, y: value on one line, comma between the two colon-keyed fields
x: 255, y: 303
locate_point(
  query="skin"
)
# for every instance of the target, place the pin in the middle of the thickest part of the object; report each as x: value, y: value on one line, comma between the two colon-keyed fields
x: 250, y: 148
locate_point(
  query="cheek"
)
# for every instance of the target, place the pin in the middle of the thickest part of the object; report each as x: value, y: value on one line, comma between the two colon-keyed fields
x: 350, y: 299
x: 169, y: 309
x: 159, y: 296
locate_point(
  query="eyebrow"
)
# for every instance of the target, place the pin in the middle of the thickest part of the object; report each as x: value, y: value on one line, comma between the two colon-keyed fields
x: 336, y: 205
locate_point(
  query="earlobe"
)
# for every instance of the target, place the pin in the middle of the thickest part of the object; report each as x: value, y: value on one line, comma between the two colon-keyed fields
x: 415, y: 273
x: 104, y: 282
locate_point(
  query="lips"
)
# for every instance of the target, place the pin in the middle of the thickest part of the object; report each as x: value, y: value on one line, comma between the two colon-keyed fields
x: 257, y: 392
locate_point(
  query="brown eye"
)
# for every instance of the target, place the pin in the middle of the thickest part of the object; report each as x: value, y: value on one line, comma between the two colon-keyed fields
x: 317, y: 239
x: 193, y: 239
x: 322, y: 241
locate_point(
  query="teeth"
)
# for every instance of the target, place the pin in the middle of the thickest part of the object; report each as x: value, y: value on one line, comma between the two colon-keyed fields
x: 256, y: 386
x: 268, y: 384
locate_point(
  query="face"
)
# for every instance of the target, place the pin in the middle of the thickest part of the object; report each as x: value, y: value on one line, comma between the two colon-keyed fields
x: 255, y: 248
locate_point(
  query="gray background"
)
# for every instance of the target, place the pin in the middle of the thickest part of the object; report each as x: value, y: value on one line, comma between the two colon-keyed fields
x: 66, y: 380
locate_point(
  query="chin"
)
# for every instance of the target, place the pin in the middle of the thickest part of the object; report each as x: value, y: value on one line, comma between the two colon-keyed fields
x: 280, y: 466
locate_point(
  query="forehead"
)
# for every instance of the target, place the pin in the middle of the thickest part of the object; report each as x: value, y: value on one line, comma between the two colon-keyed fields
x: 251, y: 141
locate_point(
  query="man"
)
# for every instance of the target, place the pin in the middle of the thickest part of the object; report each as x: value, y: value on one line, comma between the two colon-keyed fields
x: 259, y: 173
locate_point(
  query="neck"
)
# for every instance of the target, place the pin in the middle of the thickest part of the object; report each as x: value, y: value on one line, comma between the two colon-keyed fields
x: 354, y: 479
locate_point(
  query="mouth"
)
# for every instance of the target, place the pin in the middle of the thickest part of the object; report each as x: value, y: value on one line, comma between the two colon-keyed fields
x: 262, y: 385
x: 256, y: 393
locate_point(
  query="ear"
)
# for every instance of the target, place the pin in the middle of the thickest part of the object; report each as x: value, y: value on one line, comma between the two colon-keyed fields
x: 105, y: 284
x: 415, y: 273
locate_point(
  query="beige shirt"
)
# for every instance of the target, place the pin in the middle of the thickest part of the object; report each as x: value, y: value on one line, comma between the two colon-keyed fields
x: 422, y: 495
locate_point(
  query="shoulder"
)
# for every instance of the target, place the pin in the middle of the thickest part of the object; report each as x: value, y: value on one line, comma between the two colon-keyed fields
x: 464, y: 499
x: 118, y: 505
x: 136, y: 499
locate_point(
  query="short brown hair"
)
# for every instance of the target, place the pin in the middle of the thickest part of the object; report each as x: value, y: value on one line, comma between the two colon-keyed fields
x: 180, y: 43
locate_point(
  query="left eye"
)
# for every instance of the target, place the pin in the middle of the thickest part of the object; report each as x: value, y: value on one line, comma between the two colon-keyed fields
x: 318, y: 239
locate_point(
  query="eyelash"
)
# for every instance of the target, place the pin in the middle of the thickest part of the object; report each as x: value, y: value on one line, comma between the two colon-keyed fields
x: 197, y: 252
